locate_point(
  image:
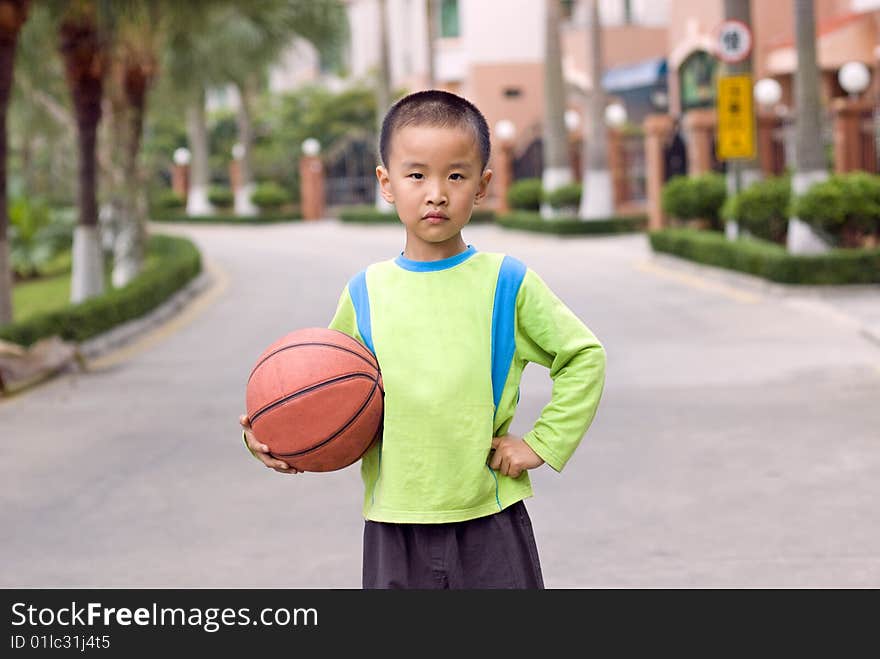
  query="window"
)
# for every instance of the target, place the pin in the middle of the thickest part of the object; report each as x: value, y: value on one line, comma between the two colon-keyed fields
x: 449, y: 18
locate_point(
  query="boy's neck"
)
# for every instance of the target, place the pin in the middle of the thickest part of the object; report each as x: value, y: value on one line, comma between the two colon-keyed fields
x: 421, y: 251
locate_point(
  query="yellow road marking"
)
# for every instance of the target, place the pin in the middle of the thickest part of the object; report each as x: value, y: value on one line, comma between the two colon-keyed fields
x: 698, y: 282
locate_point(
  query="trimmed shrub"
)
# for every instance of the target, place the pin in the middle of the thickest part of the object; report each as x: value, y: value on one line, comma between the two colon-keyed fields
x: 269, y: 196
x: 168, y: 199
x: 695, y: 197
x: 846, y: 207
x: 567, y: 197
x: 527, y: 221
x: 769, y: 260
x: 762, y: 209
x: 525, y: 194
x: 221, y: 197
x: 178, y: 261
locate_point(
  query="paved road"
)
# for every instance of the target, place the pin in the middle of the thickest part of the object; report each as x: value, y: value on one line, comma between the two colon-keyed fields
x: 737, y: 444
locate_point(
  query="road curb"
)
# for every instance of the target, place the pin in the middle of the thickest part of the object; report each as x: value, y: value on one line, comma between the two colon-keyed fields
x: 127, y: 332
x: 818, y: 298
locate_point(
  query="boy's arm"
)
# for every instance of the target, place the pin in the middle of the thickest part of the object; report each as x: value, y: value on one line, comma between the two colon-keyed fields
x: 549, y: 333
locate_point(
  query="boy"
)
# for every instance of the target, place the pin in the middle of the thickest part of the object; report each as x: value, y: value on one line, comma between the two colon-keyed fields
x: 452, y: 329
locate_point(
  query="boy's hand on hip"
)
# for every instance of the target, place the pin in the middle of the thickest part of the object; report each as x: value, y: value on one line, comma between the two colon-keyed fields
x: 512, y: 456
x: 262, y: 451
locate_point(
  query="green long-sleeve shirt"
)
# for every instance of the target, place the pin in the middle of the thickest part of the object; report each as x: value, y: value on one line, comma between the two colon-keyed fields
x: 452, y: 338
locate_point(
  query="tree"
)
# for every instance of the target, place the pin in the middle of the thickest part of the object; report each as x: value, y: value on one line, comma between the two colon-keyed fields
x: 557, y: 170
x: 809, y: 158
x: 597, y: 199
x: 84, y: 40
x: 13, y: 14
x: 383, y: 91
x: 257, y: 39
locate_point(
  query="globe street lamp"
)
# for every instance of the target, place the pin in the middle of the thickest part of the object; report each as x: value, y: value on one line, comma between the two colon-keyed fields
x: 854, y: 78
x: 505, y: 129
x: 181, y: 156
x: 768, y: 92
x: 615, y: 115
x: 572, y: 120
x: 311, y: 146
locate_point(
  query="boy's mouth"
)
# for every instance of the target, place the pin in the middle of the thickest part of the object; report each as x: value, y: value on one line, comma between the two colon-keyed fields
x: 434, y: 217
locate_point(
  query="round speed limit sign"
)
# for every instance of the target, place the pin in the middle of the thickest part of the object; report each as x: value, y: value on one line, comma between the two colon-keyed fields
x: 734, y: 41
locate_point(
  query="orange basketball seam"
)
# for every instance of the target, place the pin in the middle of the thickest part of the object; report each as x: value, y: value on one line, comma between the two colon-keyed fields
x: 311, y: 343
x: 318, y: 385
x: 340, y: 430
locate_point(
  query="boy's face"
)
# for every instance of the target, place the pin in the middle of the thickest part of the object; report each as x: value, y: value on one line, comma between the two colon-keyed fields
x: 433, y: 178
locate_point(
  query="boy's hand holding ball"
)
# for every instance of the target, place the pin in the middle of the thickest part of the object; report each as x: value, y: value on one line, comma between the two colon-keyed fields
x: 261, y: 451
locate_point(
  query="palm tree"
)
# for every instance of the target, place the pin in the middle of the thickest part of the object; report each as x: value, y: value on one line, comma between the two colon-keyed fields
x: 383, y: 92
x: 134, y: 68
x: 257, y: 39
x: 597, y: 200
x: 84, y: 43
x: 13, y: 14
x: 430, y: 36
x: 557, y: 170
x: 809, y: 158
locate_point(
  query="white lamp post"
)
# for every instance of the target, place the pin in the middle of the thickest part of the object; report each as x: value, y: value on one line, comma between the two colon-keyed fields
x: 615, y: 115
x: 768, y: 92
x: 572, y: 120
x: 854, y: 78
x: 505, y: 129
x: 311, y: 146
x: 181, y: 156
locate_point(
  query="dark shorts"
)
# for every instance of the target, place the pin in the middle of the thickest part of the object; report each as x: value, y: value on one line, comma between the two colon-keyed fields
x: 496, y: 551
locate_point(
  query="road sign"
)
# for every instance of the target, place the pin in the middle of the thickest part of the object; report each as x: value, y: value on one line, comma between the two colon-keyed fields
x: 736, y: 121
x: 734, y: 41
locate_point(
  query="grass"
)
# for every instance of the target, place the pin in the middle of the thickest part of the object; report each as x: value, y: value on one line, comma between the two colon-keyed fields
x: 52, y: 292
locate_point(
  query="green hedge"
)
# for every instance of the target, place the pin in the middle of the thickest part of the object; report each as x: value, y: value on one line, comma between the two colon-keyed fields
x: 226, y: 218
x: 178, y: 262
x: 369, y: 215
x: 769, y: 260
x: 527, y: 221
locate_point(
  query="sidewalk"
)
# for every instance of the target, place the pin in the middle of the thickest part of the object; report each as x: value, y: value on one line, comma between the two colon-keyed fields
x: 856, y: 305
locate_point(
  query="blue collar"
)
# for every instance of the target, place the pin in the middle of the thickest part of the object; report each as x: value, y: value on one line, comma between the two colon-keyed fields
x: 431, y: 266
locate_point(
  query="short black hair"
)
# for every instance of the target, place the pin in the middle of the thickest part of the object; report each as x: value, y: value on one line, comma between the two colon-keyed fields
x: 434, y: 107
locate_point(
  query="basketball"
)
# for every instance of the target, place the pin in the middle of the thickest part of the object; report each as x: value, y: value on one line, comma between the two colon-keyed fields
x: 315, y: 398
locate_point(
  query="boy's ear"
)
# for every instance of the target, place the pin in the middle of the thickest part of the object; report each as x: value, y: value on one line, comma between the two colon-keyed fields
x: 482, y: 189
x: 384, y: 184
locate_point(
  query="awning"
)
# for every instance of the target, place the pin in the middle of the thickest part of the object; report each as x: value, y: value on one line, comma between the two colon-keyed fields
x: 646, y: 73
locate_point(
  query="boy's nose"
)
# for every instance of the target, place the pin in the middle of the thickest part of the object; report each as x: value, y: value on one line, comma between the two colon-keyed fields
x: 436, y: 195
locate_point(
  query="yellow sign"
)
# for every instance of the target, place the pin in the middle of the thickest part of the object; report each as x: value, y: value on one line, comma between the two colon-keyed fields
x: 736, y: 119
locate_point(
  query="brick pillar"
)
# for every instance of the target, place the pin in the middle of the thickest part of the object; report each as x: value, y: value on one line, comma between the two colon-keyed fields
x: 767, y: 123
x: 311, y: 176
x: 849, y: 146
x: 234, y: 178
x: 617, y: 167
x: 503, y: 174
x: 180, y: 179
x: 700, y: 128
x: 658, y: 129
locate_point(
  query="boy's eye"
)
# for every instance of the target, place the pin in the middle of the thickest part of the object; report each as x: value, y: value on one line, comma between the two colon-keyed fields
x: 416, y: 174
x: 458, y: 175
